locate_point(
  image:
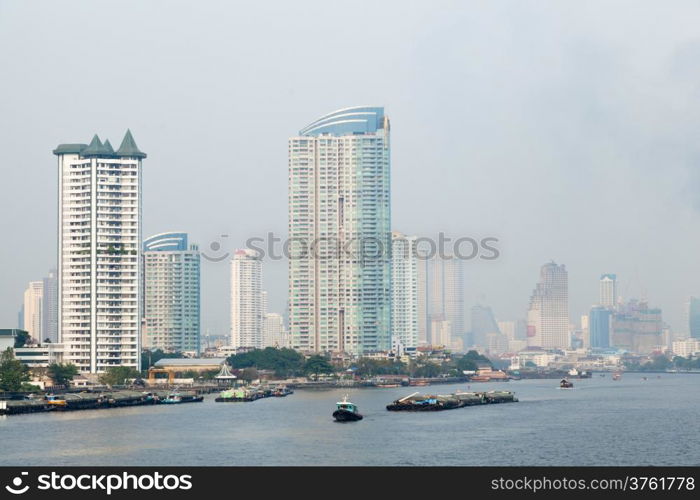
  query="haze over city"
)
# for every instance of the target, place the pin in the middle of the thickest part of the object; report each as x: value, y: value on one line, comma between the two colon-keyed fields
x: 566, y: 135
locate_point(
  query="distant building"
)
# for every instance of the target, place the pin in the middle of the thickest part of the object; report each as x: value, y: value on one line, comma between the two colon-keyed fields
x: 548, y: 316
x: 599, y: 323
x: 686, y: 347
x: 637, y: 328
x: 274, y: 333
x: 694, y: 317
x: 49, y: 308
x: 441, y: 331
x: 40, y: 356
x: 508, y: 328
x: 247, y: 300
x: 405, y: 298
x: 7, y: 338
x: 608, y: 290
x: 171, y: 294
x: 484, y: 324
x: 33, y: 317
x: 446, y: 292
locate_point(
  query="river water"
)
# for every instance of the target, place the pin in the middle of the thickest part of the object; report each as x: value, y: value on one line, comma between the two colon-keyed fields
x: 599, y: 422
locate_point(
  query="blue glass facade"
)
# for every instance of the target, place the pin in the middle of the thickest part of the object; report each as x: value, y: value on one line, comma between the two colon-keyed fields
x: 166, y: 241
x: 599, y: 326
x: 357, y: 120
x: 171, y: 292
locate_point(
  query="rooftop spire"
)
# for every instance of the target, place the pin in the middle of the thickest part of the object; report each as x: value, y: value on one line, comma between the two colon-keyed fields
x: 94, y: 149
x: 129, y: 148
x: 107, y: 146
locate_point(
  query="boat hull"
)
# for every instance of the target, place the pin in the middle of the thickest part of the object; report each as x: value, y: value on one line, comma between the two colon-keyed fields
x: 346, y: 416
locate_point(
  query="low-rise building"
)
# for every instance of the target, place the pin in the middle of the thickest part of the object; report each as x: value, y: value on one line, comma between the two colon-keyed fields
x: 40, y: 356
x: 686, y: 347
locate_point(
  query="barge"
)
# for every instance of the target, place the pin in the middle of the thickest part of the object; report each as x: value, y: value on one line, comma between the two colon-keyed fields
x: 90, y: 401
x: 420, y: 402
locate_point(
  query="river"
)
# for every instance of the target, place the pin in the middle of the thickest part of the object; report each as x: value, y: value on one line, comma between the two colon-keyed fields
x: 599, y: 422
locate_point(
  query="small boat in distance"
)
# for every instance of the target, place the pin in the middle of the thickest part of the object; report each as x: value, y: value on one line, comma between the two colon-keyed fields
x: 616, y: 376
x: 565, y: 384
x: 346, y: 411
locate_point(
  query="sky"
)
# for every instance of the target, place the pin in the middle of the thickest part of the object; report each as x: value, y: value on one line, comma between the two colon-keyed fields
x: 567, y: 130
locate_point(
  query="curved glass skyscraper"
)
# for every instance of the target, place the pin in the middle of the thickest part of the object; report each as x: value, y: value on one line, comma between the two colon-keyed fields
x: 340, y: 233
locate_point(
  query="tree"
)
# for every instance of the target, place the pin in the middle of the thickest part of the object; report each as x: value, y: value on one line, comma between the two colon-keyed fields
x: 12, y: 372
x: 249, y: 374
x: 368, y: 367
x: 21, y: 338
x: 317, y: 364
x: 118, y: 375
x: 62, y: 374
x: 471, y: 361
x: 285, y: 362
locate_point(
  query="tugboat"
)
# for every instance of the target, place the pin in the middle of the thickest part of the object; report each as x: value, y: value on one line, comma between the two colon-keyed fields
x: 173, y: 398
x: 346, y: 411
x: 565, y: 384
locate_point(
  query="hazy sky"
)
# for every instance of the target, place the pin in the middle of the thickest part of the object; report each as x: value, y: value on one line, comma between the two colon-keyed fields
x: 569, y: 130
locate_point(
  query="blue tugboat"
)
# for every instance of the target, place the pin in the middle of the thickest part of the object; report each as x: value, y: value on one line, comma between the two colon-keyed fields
x: 346, y: 411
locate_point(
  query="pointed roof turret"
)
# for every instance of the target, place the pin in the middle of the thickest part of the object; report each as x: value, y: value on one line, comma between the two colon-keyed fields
x: 95, y: 148
x: 108, y: 147
x: 129, y: 148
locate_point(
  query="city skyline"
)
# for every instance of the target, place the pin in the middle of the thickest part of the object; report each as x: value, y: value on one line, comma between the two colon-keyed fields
x: 441, y: 177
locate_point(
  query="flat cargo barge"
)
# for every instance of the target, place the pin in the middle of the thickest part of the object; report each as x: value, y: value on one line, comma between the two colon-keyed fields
x: 93, y: 401
x: 420, y: 402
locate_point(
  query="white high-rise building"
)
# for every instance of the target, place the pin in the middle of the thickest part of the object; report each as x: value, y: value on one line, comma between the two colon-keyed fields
x: 246, y: 300
x: 405, y: 299
x: 339, y: 229
x: 99, y: 236
x: 274, y: 333
x: 608, y: 290
x: 422, y: 291
x: 33, y: 306
x: 548, y: 316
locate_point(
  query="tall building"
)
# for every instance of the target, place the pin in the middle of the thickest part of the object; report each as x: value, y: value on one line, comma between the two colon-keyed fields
x: 694, y: 317
x: 246, y: 300
x: 340, y: 233
x: 99, y: 246
x: 446, y: 291
x: 171, y: 294
x: 484, y: 324
x: 33, y: 316
x: 548, y: 316
x: 274, y: 333
x: 405, y: 298
x: 422, y: 292
x: 49, y: 308
x: 599, y: 323
x: 638, y: 328
x: 608, y: 290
